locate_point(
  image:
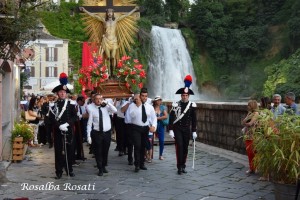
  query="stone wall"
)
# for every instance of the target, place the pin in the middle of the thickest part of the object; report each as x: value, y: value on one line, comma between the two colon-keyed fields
x: 219, y: 124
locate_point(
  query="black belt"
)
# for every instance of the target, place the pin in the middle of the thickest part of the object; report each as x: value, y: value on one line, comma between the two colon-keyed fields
x: 138, y: 126
x: 101, y: 131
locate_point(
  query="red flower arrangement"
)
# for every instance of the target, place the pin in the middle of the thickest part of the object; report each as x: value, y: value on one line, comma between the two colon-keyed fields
x: 131, y: 72
x: 93, y: 75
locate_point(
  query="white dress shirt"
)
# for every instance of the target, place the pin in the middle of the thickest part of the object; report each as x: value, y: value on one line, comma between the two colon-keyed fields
x: 94, y: 118
x: 119, y: 105
x: 89, y: 107
x: 126, y: 114
x: 83, y: 111
x: 135, y: 114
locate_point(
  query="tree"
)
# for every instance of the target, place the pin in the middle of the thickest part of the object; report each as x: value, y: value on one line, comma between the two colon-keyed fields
x: 154, y: 11
x: 17, y: 26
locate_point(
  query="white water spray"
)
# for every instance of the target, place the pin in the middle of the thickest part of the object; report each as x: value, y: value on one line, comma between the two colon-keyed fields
x: 169, y: 64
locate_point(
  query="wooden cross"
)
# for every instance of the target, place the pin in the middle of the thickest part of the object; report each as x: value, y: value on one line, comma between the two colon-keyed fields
x: 109, y: 4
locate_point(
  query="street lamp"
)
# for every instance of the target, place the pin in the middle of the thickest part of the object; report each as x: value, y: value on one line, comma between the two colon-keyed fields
x: 39, y: 34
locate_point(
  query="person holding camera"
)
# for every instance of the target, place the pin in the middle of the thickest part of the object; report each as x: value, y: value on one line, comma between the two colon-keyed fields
x: 143, y: 120
x: 99, y: 130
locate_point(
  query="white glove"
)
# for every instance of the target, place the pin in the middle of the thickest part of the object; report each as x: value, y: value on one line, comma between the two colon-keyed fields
x: 171, y: 134
x: 79, y: 115
x: 51, y: 104
x: 194, y: 135
x: 89, y: 139
x: 64, y: 127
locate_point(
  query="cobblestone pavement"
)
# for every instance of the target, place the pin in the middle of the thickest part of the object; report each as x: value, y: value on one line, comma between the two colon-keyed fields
x: 214, y: 177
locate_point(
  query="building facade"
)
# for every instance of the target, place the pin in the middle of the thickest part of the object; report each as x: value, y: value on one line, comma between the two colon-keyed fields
x: 49, y: 60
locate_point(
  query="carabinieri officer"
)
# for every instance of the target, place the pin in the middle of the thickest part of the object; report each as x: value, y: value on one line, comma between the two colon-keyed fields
x: 99, y: 130
x: 63, y: 115
x: 182, y: 123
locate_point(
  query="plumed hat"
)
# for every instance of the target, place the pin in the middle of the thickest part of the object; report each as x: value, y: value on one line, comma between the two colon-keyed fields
x: 63, y: 79
x: 187, y: 84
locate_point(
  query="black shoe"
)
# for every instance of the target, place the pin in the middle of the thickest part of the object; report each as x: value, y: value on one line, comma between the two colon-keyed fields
x: 183, y: 170
x: 104, y: 170
x: 179, y: 172
x: 143, y: 167
x: 50, y: 146
x: 136, y: 169
x: 100, y: 173
x: 130, y: 163
x: 71, y: 174
x: 76, y: 164
x: 116, y: 149
x: 58, y: 175
x: 121, y: 153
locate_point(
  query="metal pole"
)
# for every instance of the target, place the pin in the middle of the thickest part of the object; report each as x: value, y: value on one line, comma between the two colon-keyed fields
x: 40, y: 65
x: 194, y: 155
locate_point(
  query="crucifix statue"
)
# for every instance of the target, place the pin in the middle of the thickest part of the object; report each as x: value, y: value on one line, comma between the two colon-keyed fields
x: 113, y: 34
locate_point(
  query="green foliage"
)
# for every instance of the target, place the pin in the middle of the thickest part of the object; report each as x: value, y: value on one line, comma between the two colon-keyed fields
x: 154, y: 11
x: 240, y: 36
x: 277, y: 146
x: 63, y: 25
x: 17, y: 26
x: 22, y: 129
x: 204, y: 70
x: 145, y: 24
x: 282, y: 76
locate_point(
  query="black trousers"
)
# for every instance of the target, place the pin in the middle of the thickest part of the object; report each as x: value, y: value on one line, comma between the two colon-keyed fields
x: 48, y: 129
x: 182, y: 137
x: 83, y: 126
x: 78, y: 147
x: 61, y: 155
x: 129, y: 143
x: 101, y: 144
x: 120, y: 133
x: 138, y: 138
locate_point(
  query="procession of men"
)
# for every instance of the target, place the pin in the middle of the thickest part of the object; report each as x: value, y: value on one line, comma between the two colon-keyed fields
x: 76, y: 121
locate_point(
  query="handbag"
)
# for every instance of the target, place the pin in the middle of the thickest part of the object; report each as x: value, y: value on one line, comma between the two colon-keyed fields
x: 29, y: 117
x: 166, y: 121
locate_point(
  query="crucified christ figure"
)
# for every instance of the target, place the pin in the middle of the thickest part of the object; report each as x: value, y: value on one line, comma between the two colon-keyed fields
x: 109, y: 40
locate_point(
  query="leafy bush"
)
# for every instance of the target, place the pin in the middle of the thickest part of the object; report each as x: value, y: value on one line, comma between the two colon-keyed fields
x: 277, y: 147
x: 22, y: 129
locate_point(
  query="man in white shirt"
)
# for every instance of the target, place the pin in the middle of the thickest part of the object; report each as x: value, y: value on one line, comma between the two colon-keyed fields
x: 127, y: 131
x: 141, y: 114
x: 99, y: 119
x: 120, y: 127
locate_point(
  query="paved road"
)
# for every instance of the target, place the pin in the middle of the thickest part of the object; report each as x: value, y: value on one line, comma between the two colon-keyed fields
x: 214, y: 177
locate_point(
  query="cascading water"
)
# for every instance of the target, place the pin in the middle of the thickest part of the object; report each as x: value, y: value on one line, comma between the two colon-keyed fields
x: 169, y: 64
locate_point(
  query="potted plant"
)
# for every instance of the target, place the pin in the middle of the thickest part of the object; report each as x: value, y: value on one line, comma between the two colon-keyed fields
x: 22, y: 133
x: 277, y: 146
x: 22, y: 129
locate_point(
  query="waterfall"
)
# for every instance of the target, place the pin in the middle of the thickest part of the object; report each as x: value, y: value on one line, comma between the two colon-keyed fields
x: 170, y: 62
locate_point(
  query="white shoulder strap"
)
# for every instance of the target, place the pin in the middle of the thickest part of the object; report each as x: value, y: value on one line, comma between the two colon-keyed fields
x: 62, y: 110
x: 182, y: 114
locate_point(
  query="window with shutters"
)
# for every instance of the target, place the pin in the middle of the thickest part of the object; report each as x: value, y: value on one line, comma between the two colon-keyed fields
x: 51, y: 71
x: 51, y: 54
x: 32, y: 71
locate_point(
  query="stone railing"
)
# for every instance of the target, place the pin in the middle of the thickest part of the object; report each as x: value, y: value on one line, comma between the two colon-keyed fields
x: 219, y: 124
